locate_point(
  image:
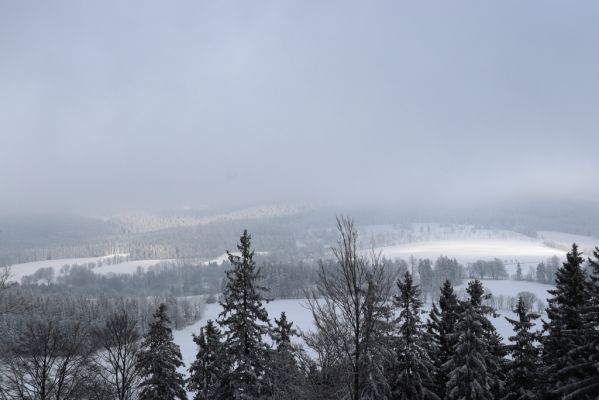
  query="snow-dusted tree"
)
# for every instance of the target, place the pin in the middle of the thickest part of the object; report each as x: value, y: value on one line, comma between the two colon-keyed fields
x: 206, y: 370
x: 49, y: 359
x: 441, y: 327
x: 414, y: 375
x: 523, y: 368
x: 244, y: 321
x: 565, y: 328
x: 587, y: 353
x: 118, y: 339
x: 468, y: 375
x: 496, y: 357
x: 473, y: 367
x: 351, y: 315
x: 158, y: 361
x: 284, y: 376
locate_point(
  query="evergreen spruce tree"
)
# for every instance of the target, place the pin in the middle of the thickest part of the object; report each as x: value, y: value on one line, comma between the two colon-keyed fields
x: 414, y: 378
x: 523, y: 367
x: 244, y: 321
x: 496, y: 362
x: 284, y: 375
x: 158, y: 361
x: 565, y: 328
x: 206, y: 371
x: 282, y: 333
x: 473, y: 365
x: 587, y: 353
x: 441, y: 327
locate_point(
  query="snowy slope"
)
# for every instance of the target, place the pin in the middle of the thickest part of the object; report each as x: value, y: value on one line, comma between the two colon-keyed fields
x: 469, y: 250
x: 512, y: 288
x: 467, y: 243
x: 115, y: 263
x: 565, y: 240
x: 225, y: 257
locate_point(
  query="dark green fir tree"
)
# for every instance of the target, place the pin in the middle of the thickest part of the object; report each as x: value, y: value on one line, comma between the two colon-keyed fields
x: 158, y: 361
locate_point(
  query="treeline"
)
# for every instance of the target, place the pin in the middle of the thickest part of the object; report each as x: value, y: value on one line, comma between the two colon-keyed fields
x: 370, y: 343
x: 284, y: 278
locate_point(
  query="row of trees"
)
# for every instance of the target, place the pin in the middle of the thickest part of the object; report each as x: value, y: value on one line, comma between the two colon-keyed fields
x: 365, y: 346
x: 370, y: 342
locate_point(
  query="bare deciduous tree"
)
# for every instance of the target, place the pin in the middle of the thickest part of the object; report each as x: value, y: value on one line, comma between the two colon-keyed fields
x: 48, y: 360
x: 352, y: 313
x: 118, y: 340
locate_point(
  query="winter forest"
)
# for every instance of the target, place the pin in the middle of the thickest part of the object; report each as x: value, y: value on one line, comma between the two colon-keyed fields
x: 299, y: 200
x: 372, y: 339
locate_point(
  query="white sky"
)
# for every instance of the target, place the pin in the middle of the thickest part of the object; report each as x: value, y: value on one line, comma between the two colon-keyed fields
x: 191, y: 102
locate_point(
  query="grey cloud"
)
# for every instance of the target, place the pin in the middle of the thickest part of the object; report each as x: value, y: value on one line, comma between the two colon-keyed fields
x: 135, y: 103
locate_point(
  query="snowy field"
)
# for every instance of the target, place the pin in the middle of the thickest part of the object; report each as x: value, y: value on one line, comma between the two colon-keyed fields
x: 225, y: 257
x: 469, y: 250
x: 111, y: 264
x: 302, y: 319
x: 467, y: 244
x: 462, y: 242
x: 512, y: 288
x: 561, y: 240
x: 115, y: 263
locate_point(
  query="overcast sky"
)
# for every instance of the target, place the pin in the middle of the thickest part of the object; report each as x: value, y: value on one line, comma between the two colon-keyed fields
x: 191, y: 102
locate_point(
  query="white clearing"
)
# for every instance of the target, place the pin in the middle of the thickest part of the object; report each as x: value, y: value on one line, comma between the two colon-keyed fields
x: 466, y: 243
x: 111, y: 264
x: 225, y: 257
x: 510, y: 288
x: 472, y: 250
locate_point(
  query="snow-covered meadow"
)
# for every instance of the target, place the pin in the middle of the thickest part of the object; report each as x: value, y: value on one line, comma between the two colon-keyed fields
x: 420, y: 240
x: 110, y: 264
x: 301, y: 316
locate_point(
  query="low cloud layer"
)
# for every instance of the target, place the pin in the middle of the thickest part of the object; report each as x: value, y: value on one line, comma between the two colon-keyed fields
x: 188, y: 103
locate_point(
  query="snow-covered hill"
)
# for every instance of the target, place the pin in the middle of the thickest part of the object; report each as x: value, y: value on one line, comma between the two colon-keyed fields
x: 467, y: 243
x: 114, y: 263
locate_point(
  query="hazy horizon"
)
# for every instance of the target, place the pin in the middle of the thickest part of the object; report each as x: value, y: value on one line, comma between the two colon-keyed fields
x: 149, y: 104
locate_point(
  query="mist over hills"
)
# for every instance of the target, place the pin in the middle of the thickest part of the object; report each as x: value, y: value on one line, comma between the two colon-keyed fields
x: 205, y: 233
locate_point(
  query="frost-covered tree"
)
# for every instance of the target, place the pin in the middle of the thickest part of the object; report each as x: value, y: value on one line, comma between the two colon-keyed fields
x: 523, y: 367
x: 441, y: 327
x: 352, y: 320
x: 474, y: 366
x: 49, y: 359
x: 285, y: 378
x: 244, y: 321
x: 565, y: 328
x: 206, y: 370
x: 414, y: 376
x: 587, y: 353
x: 118, y: 339
x: 158, y: 361
x: 468, y: 374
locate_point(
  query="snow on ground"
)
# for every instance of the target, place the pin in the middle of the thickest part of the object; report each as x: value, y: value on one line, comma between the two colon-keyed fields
x: 302, y: 319
x: 295, y: 310
x: 525, y: 251
x: 115, y: 263
x: 128, y: 267
x: 511, y: 288
x: 225, y: 257
x: 565, y: 240
x: 467, y: 243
